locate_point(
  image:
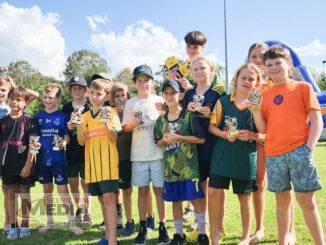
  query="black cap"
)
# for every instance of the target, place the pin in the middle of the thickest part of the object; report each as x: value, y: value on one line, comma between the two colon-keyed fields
x: 101, y: 75
x: 174, y: 84
x: 77, y: 80
x: 142, y: 70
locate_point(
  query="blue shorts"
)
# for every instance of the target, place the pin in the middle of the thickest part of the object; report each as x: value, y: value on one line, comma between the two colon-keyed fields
x: 45, y: 174
x: 296, y: 167
x: 182, y: 190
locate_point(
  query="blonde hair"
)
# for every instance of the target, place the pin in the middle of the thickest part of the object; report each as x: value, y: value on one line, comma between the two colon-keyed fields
x: 116, y: 87
x: 249, y: 66
x: 208, y: 62
x: 51, y: 87
x: 100, y: 83
x: 9, y: 81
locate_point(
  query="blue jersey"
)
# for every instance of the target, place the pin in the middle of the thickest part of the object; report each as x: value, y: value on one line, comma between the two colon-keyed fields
x: 4, y: 110
x: 48, y: 126
x: 210, y: 98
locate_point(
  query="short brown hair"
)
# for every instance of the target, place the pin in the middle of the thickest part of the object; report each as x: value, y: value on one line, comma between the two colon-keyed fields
x: 100, y: 83
x: 50, y: 87
x: 277, y: 51
x: 256, y: 45
x: 195, y: 38
x: 19, y: 92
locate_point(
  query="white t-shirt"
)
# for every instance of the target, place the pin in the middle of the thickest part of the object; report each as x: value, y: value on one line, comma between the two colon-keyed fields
x: 143, y: 147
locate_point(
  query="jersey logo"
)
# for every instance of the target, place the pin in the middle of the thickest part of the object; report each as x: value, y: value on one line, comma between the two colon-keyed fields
x: 278, y: 99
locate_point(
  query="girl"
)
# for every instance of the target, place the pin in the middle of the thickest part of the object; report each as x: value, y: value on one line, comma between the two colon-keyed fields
x: 234, y: 152
x: 178, y: 131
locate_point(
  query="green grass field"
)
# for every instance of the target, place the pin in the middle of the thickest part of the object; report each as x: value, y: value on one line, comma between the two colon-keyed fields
x: 232, y: 218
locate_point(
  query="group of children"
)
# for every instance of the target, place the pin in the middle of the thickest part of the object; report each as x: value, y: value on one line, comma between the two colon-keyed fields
x: 190, y: 144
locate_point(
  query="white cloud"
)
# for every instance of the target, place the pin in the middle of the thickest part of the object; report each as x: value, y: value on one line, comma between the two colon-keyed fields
x: 29, y: 34
x: 140, y: 43
x: 315, y: 49
x: 94, y: 20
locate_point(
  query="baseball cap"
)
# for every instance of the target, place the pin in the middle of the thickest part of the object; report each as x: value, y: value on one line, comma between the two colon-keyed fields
x: 101, y: 75
x: 142, y: 70
x: 77, y: 80
x: 174, y: 84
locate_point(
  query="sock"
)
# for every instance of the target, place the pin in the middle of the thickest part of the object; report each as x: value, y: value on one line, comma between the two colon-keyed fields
x: 178, y: 226
x: 200, y: 220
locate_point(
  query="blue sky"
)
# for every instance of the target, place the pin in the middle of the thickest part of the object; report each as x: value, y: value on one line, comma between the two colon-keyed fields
x: 129, y: 32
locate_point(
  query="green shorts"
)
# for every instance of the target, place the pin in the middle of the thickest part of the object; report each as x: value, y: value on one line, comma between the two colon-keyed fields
x: 239, y: 186
x: 76, y: 170
x: 106, y: 186
x: 125, y: 174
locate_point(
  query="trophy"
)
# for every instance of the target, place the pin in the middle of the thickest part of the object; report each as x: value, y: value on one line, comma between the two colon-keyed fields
x: 254, y: 98
x: 56, y: 142
x: 199, y: 101
x: 104, y: 114
x: 231, y: 124
x: 173, y: 128
x: 35, y: 145
x: 139, y: 115
x: 76, y: 115
x: 182, y: 69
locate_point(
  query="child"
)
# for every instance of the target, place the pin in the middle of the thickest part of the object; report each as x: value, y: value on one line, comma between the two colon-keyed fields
x: 234, y: 152
x: 98, y: 132
x: 178, y: 131
x: 16, y: 160
x: 75, y: 154
x: 288, y: 149
x: 51, y: 163
x: 118, y: 97
x: 201, y: 100
x: 139, y: 117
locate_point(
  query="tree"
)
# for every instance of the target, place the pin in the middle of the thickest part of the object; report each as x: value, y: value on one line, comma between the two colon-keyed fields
x: 21, y: 71
x: 85, y: 63
x: 125, y: 76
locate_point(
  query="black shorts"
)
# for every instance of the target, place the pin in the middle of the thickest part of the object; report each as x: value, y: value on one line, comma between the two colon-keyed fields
x: 204, y: 167
x: 125, y: 174
x: 75, y: 158
x: 239, y: 186
x: 11, y: 181
x: 106, y: 186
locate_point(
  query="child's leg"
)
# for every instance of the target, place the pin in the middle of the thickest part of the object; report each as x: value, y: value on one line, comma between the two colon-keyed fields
x: 110, y: 212
x: 311, y: 215
x: 86, y: 195
x: 74, y: 189
x: 214, y: 204
x: 245, y: 208
x: 26, y: 205
x: 283, y: 214
x: 127, y: 203
x: 160, y: 203
x: 6, y: 225
x: 177, y: 216
x: 11, y: 198
x: 149, y: 210
x: 48, y: 202
x: 222, y: 205
x: 142, y: 201
x: 200, y: 213
x: 65, y: 197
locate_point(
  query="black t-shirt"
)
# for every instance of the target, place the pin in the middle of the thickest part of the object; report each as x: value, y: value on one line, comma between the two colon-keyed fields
x: 73, y: 148
x: 14, y: 142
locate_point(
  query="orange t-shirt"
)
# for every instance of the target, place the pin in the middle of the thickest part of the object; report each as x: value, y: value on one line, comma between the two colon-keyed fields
x: 285, y: 109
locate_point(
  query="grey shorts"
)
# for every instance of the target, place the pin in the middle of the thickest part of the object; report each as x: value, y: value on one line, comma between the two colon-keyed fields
x: 145, y: 172
x: 296, y: 167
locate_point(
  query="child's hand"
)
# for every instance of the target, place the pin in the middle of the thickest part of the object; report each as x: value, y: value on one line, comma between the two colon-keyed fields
x: 191, y: 106
x: 172, y: 75
x: 135, y: 121
x: 185, y: 83
x: 172, y: 138
x: 204, y: 110
x: 244, y: 135
x: 63, y: 145
x: 71, y: 125
x: 26, y: 171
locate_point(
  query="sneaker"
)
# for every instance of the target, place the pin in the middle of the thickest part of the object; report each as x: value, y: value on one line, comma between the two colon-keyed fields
x: 203, y: 239
x: 13, y: 234
x: 178, y: 239
x: 102, y: 226
x: 163, y: 237
x: 141, y: 237
x: 119, y: 222
x: 150, y: 220
x: 78, y: 216
x: 102, y: 241
x: 129, y: 228
x: 188, y: 214
x: 24, y: 232
x: 87, y: 222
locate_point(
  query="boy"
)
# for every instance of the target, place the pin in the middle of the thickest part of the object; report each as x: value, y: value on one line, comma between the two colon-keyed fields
x: 75, y: 154
x: 16, y: 160
x: 52, y: 124
x: 289, y: 149
x: 101, y: 156
x: 139, y: 117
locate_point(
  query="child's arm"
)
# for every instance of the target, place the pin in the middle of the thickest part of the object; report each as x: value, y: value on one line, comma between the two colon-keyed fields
x: 186, y: 138
x: 26, y: 171
x: 32, y: 95
x: 213, y: 129
x: 132, y: 123
x: 111, y: 132
x: 259, y: 122
x: 80, y: 135
x: 65, y: 141
x: 316, y: 128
